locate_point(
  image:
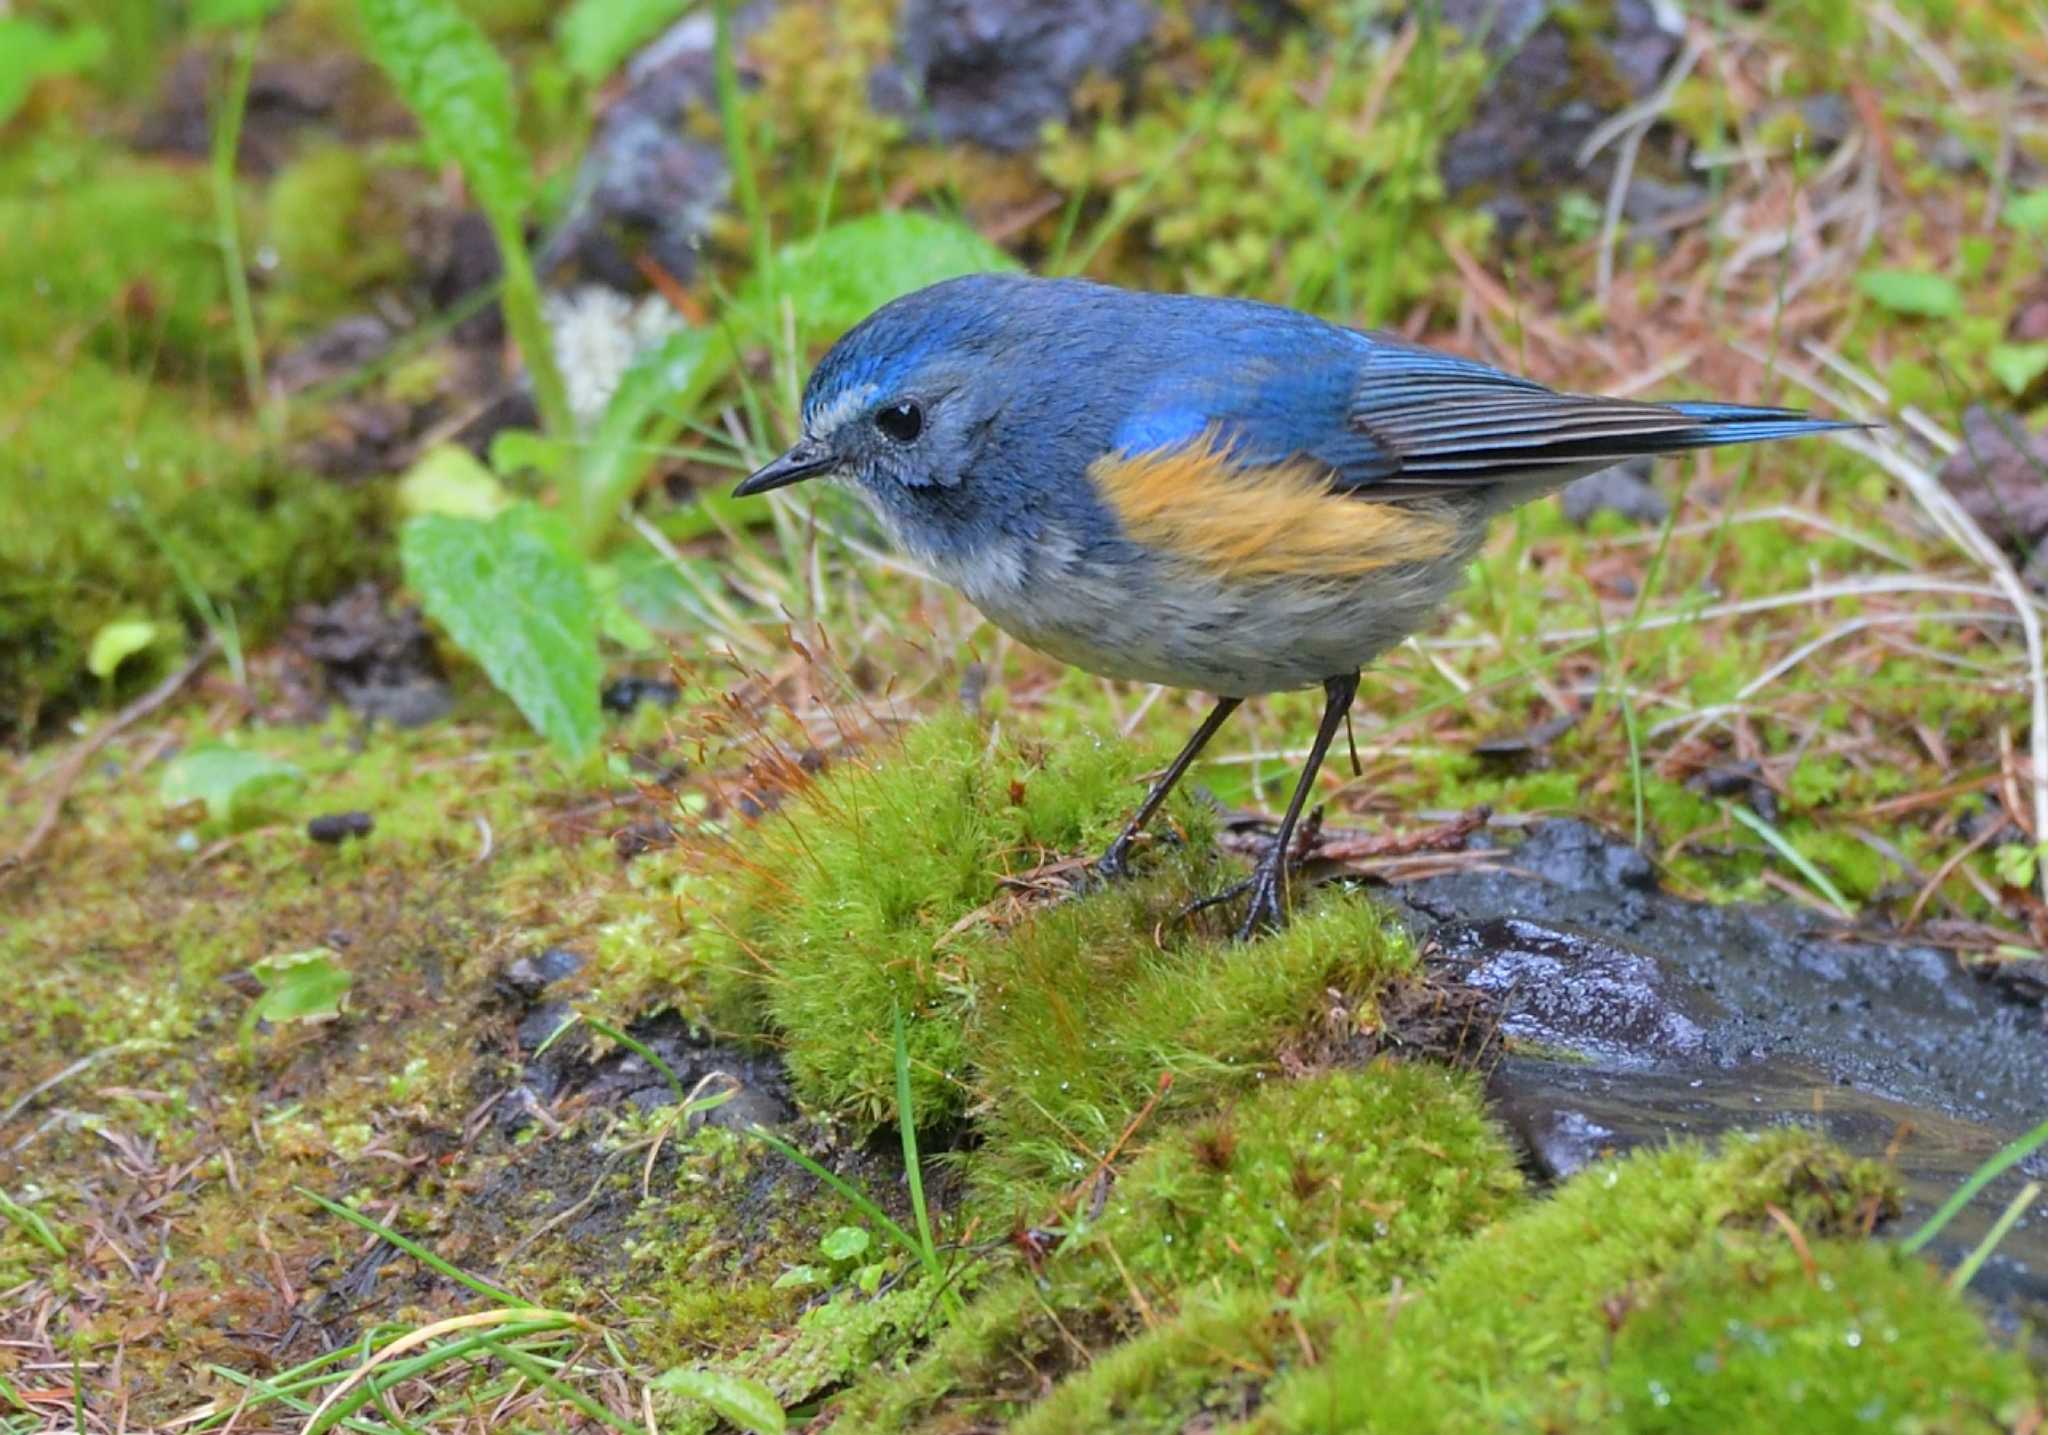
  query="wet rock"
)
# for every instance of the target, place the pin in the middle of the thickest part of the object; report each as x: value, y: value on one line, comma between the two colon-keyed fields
x: 540, y: 1024
x: 529, y: 976
x: 622, y: 1076
x: 2000, y: 477
x: 1524, y: 138
x: 459, y: 255
x: 1830, y: 119
x: 649, y: 834
x: 1743, y: 780
x: 1520, y: 748
x: 334, y: 828
x: 994, y: 72
x: 1688, y: 1019
x: 379, y: 663
x: 622, y: 695
x: 745, y: 1109
x: 1625, y: 490
x: 1584, y: 992
x: 647, y: 190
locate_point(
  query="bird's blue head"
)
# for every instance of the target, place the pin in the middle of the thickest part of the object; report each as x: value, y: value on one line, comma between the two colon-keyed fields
x: 944, y: 408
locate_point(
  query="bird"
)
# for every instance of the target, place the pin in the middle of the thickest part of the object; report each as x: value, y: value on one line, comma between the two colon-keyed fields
x: 1212, y: 494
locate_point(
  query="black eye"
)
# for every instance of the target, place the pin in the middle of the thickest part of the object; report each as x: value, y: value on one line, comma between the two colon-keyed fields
x: 902, y: 422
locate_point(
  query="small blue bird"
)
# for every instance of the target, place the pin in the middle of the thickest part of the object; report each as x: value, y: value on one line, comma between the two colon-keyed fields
x: 1205, y: 493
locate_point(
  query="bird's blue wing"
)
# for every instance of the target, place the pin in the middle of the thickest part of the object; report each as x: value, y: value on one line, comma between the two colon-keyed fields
x: 1393, y: 421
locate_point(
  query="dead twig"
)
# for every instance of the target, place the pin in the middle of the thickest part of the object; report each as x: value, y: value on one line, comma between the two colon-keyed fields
x: 74, y: 766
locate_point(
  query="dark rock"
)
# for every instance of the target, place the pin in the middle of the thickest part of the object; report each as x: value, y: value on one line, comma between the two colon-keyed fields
x: 1584, y: 992
x: 378, y: 662
x: 1529, y: 743
x: 367, y: 438
x: 648, y: 835
x: 530, y: 976
x: 994, y: 72
x: 2000, y: 477
x: 1625, y: 489
x: 284, y: 96
x: 1654, y: 204
x: 745, y: 1109
x: 622, y: 695
x: 342, y: 347
x: 540, y: 1024
x: 1830, y: 119
x: 337, y: 827
x: 647, y: 190
x: 1738, y: 779
x: 1524, y: 138
x: 459, y: 255
x: 1689, y: 1019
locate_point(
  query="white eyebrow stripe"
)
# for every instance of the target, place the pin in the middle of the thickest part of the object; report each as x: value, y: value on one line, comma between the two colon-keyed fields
x: 846, y: 405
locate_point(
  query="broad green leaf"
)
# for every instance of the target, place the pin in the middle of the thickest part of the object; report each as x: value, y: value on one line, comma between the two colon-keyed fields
x: 2015, y: 863
x: 297, y: 986
x: 232, y: 14
x: 235, y: 784
x: 1927, y: 296
x: 448, y: 479
x: 449, y: 76
x: 29, y: 51
x: 746, y: 1403
x: 514, y: 450
x: 2028, y: 212
x: 2018, y: 365
x: 596, y: 34
x: 844, y: 1243
x: 615, y: 619
x: 116, y: 643
x: 798, y: 1276
x: 839, y: 277
x: 512, y: 594
x: 301, y: 986
x: 641, y: 419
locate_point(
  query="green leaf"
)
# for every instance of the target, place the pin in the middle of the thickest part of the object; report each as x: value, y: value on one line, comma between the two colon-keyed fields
x: 2015, y: 863
x: 29, y: 51
x: 117, y: 642
x: 301, y: 986
x: 2029, y: 212
x: 515, y: 450
x: 844, y: 1243
x: 449, y: 76
x: 513, y: 595
x: 235, y: 784
x: 746, y: 1403
x: 1926, y: 296
x: 798, y: 1276
x: 297, y: 986
x: 839, y: 277
x: 596, y: 34
x: 448, y: 479
x: 233, y: 14
x: 665, y: 381
x: 2018, y: 365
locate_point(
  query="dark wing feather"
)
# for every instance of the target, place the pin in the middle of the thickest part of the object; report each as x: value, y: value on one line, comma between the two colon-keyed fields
x: 1448, y: 425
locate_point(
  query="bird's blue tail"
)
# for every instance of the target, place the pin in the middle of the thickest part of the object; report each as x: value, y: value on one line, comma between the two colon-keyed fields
x: 1744, y: 423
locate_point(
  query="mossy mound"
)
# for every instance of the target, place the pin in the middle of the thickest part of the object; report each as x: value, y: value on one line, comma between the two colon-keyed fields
x: 1213, y: 1250
x: 1670, y: 1276
x: 118, y: 486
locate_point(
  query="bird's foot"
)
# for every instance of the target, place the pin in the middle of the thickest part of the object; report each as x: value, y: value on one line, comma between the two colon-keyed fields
x: 1266, y: 912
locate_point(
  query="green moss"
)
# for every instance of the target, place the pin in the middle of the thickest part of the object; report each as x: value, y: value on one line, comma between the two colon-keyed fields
x: 1086, y: 1016
x: 334, y: 233
x: 1514, y: 1333
x: 113, y: 254
x: 853, y: 901
x: 1866, y: 1338
x: 1305, y: 1197
x: 117, y: 471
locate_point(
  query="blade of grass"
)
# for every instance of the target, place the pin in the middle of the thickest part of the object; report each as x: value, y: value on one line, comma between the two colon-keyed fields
x: 534, y: 1371
x: 227, y: 139
x: 1799, y: 860
x: 853, y: 1196
x: 2007, y: 1157
x: 1963, y: 1274
x: 639, y: 1049
x: 907, y: 1125
x: 414, y: 1249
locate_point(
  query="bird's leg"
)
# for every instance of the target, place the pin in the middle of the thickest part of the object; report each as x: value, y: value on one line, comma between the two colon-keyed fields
x: 1269, y: 879
x: 1115, y: 862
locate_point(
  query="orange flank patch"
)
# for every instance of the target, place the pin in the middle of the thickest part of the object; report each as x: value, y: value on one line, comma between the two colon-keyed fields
x: 1279, y: 521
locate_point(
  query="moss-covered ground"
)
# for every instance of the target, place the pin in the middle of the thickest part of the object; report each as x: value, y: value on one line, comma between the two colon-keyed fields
x: 1152, y: 1180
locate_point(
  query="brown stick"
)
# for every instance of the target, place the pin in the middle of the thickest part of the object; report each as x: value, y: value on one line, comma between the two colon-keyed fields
x: 74, y: 765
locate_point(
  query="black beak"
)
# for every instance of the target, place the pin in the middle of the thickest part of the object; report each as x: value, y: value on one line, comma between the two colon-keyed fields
x: 806, y: 460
